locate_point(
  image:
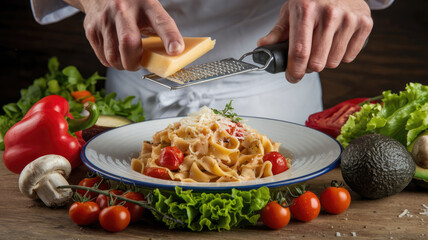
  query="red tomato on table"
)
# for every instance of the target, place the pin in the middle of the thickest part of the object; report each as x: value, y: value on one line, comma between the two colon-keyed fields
x: 275, y: 216
x: 306, y: 207
x: 91, y: 182
x: 114, y: 218
x: 136, y: 211
x: 84, y: 213
x: 104, y: 201
x: 335, y: 199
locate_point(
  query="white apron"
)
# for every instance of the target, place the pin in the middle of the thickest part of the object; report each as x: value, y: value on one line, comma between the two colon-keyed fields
x: 236, y: 26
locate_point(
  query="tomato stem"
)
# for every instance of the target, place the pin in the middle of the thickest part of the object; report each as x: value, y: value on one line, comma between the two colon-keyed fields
x: 143, y: 204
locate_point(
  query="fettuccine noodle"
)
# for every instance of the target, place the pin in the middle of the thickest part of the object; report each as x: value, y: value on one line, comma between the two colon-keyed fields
x: 215, y: 149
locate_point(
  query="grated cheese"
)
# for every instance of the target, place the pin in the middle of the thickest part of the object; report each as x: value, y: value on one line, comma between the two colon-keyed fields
x: 403, y: 213
x: 205, y: 115
x: 424, y: 210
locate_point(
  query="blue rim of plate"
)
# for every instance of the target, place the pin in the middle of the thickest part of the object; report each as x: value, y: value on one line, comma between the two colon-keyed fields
x: 289, y: 181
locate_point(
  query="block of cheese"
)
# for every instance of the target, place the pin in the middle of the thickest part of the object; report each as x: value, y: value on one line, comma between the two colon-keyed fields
x: 156, y: 60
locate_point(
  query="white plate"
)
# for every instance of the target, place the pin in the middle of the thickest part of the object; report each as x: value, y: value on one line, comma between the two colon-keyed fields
x: 313, y: 153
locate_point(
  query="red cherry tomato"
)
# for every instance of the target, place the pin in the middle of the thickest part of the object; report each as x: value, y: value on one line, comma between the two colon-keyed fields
x: 275, y: 216
x: 279, y: 163
x: 306, y: 207
x: 157, y: 172
x: 104, y: 201
x: 136, y: 211
x: 171, y: 157
x: 335, y: 199
x: 84, y: 213
x: 90, y: 182
x: 114, y: 218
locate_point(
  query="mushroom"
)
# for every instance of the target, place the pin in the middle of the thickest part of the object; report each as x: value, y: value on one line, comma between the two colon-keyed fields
x: 41, y: 177
x: 420, y: 151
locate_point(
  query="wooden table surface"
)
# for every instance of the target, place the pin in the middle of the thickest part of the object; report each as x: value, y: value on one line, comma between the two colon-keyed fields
x: 22, y: 218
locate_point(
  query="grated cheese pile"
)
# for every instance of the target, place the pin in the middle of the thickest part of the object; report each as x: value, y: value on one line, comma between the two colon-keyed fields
x: 205, y: 116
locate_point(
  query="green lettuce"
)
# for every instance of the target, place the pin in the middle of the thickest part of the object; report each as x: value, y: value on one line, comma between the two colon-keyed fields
x: 63, y: 82
x: 401, y: 116
x: 212, y: 211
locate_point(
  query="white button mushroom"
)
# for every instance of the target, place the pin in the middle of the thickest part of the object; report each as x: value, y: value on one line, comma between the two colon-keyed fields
x: 41, y: 177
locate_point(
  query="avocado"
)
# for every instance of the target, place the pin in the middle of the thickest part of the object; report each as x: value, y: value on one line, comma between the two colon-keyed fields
x: 421, y: 177
x: 419, y: 150
x: 104, y: 123
x: 376, y: 166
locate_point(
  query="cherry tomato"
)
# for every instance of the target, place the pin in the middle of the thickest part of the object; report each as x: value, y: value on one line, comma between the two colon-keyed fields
x: 335, y: 199
x: 171, y: 157
x: 157, y: 172
x: 84, y: 213
x: 275, y: 216
x: 279, y: 163
x: 90, y: 182
x: 104, y: 201
x: 114, y: 218
x: 136, y: 211
x: 306, y: 207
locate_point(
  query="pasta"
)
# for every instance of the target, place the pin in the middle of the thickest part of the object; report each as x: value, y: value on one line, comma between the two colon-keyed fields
x: 214, y: 149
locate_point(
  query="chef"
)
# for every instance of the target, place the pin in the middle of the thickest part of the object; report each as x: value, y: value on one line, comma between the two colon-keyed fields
x: 321, y: 33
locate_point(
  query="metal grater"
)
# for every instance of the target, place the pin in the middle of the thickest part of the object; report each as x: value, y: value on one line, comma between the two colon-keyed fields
x: 217, y: 70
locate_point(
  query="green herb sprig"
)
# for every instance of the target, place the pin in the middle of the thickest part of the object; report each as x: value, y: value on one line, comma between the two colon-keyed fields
x: 228, y: 112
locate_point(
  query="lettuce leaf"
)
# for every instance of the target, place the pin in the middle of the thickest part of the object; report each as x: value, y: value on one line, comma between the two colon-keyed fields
x: 212, y: 211
x: 63, y: 82
x: 401, y: 116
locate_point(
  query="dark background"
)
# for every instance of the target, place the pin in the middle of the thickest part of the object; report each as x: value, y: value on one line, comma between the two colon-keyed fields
x: 397, y: 52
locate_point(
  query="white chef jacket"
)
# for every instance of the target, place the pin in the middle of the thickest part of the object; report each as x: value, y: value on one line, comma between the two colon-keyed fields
x: 236, y: 26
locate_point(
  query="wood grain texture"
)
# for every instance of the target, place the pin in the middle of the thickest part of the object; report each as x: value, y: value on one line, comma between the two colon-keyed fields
x: 397, y: 52
x: 23, y: 218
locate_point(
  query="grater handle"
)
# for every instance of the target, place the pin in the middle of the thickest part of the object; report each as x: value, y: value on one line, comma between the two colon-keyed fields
x: 278, y: 51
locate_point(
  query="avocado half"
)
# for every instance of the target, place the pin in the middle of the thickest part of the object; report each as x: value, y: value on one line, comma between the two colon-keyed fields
x: 104, y: 123
x: 421, y: 173
x: 421, y: 177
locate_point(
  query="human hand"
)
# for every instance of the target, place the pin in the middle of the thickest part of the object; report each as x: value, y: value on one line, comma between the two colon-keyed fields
x: 321, y: 34
x: 114, y: 29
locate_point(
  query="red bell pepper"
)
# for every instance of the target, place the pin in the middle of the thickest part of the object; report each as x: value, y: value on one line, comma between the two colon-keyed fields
x: 45, y: 130
x: 331, y: 120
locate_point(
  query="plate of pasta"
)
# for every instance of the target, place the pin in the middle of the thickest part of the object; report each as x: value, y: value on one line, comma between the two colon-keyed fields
x: 207, y: 151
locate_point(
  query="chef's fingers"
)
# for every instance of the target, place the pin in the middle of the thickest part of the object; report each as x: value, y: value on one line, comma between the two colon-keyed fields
x: 322, y: 39
x: 279, y: 32
x: 164, y: 26
x: 95, y: 38
x: 111, y: 47
x: 358, y: 39
x: 302, y: 21
x: 341, y: 41
x: 148, y: 32
x: 129, y: 38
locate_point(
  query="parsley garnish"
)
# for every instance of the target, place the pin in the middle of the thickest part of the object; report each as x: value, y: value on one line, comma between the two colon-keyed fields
x: 227, y: 112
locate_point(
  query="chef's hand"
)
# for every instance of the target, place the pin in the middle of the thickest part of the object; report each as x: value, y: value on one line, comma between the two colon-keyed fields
x: 114, y: 29
x: 321, y: 33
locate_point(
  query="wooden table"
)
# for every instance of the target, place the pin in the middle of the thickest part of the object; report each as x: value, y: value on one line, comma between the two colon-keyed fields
x: 22, y: 218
